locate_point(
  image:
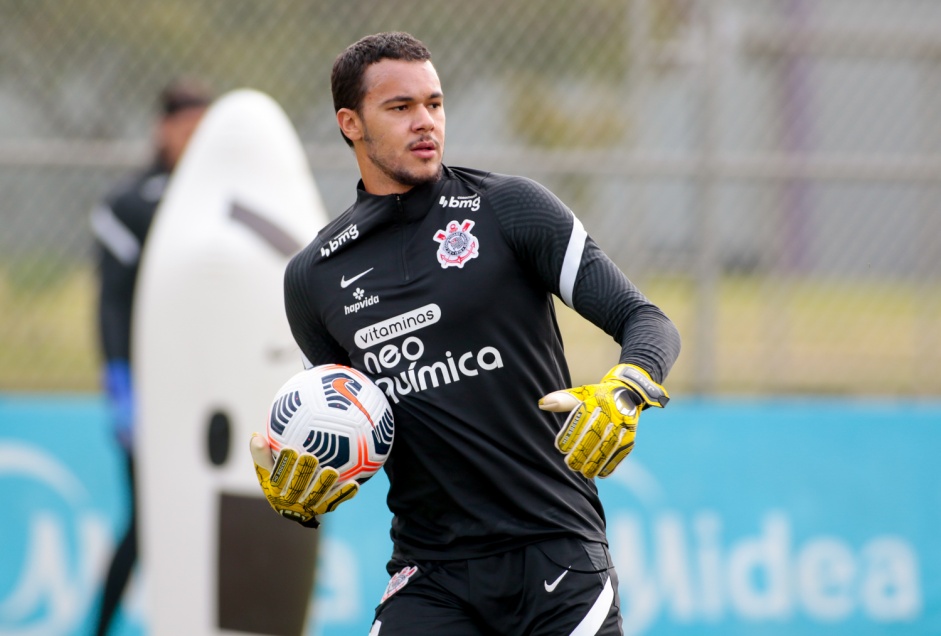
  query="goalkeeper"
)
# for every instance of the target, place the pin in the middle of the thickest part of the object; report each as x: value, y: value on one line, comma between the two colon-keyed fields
x: 497, y: 526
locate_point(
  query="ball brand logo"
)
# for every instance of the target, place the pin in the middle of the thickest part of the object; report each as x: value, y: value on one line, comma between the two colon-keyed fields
x: 457, y: 244
x: 283, y: 410
x: 471, y: 201
x: 351, y: 233
x: 341, y: 391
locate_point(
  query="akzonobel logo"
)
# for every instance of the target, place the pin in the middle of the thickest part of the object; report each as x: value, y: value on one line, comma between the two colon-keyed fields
x: 399, y: 325
x: 351, y: 233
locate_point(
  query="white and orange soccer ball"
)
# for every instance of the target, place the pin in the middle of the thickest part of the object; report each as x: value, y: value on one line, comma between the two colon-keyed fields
x: 337, y: 414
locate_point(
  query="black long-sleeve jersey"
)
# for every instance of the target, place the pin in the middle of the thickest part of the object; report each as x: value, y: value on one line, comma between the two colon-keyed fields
x: 120, y: 225
x: 443, y: 296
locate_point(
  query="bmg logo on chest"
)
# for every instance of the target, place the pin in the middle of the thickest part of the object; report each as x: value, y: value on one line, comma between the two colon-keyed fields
x: 471, y: 202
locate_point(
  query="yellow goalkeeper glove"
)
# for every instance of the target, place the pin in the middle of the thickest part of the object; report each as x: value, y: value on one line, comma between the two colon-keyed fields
x: 599, y: 432
x: 295, y: 485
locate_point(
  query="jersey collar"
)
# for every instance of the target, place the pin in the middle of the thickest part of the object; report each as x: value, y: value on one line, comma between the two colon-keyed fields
x: 411, y: 206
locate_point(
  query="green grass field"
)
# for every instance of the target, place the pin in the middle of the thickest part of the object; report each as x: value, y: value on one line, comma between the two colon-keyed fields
x: 769, y: 336
x: 772, y: 336
x: 47, y: 335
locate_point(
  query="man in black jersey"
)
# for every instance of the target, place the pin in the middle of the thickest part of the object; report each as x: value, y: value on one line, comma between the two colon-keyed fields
x: 120, y: 225
x: 437, y: 283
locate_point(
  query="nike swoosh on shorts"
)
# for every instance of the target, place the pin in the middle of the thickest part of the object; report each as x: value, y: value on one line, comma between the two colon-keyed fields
x: 550, y: 587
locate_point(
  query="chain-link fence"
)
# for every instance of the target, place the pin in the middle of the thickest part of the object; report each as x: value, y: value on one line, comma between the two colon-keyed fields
x: 767, y: 171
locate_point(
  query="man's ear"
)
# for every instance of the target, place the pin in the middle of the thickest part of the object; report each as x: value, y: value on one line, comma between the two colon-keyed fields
x: 350, y: 124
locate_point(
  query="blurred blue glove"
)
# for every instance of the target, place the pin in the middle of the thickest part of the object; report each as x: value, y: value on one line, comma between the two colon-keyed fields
x: 121, y: 401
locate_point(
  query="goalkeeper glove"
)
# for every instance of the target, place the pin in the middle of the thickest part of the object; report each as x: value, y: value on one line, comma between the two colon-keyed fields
x: 599, y: 432
x: 295, y: 485
x: 120, y: 392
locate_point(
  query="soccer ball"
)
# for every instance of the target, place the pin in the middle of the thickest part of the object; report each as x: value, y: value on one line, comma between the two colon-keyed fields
x: 337, y: 414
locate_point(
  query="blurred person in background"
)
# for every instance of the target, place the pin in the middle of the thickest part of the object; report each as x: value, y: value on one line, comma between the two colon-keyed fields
x: 498, y: 527
x: 120, y: 225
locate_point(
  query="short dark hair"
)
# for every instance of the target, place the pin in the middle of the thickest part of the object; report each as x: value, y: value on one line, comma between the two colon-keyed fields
x: 346, y: 79
x: 183, y: 93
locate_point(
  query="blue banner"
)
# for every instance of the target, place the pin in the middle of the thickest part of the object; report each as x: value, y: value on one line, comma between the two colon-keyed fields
x: 788, y: 517
x: 731, y: 517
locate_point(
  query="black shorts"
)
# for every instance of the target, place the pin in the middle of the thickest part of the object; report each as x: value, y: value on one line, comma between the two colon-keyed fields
x: 558, y: 587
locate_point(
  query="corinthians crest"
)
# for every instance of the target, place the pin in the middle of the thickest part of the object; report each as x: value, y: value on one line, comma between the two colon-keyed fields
x: 457, y: 244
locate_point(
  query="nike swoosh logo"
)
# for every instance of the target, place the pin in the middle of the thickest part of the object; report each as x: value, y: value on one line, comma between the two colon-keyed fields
x: 344, y: 283
x: 339, y: 385
x: 551, y: 587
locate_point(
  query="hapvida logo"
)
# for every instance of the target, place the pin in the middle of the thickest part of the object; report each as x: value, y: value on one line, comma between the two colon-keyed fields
x: 471, y: 202
x: 361, y: 301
